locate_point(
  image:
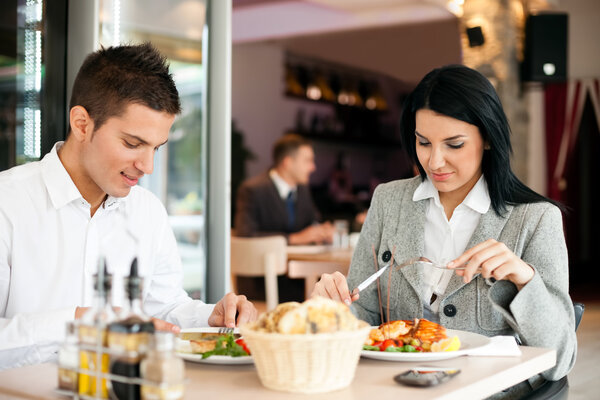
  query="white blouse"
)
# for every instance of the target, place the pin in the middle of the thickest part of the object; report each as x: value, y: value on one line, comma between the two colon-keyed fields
x: 446, y: 240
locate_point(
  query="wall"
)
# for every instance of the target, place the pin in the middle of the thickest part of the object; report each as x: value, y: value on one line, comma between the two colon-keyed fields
x: 584, y: 37
x: 262, y: 113
x: 584, y: 62
x: 258, y: 106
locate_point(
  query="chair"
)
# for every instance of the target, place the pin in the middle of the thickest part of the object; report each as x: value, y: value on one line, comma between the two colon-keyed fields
x: 260, y: 256
x: 311, y: 271
x: 556, y: 390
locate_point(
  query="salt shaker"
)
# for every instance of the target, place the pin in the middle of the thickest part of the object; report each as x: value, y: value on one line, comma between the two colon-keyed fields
x: 162, y: 370
x: 68, y: 360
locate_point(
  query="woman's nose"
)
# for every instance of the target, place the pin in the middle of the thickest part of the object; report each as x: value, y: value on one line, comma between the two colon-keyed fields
x: 436, y: 159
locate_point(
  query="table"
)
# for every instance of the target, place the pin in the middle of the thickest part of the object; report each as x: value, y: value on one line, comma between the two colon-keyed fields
x: 310, y: 262
x: 342, y: 256
x: 480, y: 377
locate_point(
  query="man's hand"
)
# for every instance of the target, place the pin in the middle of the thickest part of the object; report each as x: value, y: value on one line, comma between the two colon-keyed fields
x: 165, y: 326
x: 226, y: 309
x: 318, y: 233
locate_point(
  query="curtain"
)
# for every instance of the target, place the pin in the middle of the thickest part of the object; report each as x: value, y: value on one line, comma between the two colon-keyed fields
x: 564, y: 104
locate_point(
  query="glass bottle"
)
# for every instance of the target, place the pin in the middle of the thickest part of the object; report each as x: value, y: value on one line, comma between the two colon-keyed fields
x: 162, y: 370
x: 128, y: 338
x: 68, y: 360
x: 93, y: 338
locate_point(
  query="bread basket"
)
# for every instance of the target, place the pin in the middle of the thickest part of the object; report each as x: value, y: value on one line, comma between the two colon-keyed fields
x: 306, y: 363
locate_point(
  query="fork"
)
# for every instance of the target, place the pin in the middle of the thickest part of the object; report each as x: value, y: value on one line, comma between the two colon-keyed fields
x: 426, y: 261
x: 225, y: 331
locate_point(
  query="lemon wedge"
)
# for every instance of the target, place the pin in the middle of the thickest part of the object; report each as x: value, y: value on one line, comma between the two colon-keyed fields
x: 450, y: 344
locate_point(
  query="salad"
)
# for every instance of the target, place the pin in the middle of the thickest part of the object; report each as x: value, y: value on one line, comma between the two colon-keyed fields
x: 228, y: 345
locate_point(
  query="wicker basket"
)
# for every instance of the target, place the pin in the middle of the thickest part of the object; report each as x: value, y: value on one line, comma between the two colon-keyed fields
x: 311, y: 363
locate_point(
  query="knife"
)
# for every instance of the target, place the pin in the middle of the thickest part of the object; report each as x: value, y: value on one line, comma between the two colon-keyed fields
x: 364, y: 284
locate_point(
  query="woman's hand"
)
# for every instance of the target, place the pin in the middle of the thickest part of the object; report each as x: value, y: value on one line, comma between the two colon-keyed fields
x: 334, y: 286
x: 495, y: 261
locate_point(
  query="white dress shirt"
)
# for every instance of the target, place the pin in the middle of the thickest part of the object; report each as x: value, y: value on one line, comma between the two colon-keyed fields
x: 446, y: 240
x: 283, y: 188
x: 49, y: 249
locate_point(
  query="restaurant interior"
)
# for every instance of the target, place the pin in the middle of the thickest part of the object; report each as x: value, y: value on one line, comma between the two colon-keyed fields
x: 337, y: 73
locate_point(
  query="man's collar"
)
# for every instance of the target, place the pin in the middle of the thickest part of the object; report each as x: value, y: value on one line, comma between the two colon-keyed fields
x: 478, y: 199
x: 283, y: 188
x: 60, y: 186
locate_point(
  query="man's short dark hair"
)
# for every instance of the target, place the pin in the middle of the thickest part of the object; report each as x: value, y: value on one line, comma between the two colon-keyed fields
x: 288, y: 145
x: 113, y: 77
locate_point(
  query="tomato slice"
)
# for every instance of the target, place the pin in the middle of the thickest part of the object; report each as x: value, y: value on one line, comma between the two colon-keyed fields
x: 387, y: 343
x: 241, y: 342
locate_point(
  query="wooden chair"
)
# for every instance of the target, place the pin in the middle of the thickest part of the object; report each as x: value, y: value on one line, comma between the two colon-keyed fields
x: 260, y: 256
x: 311, y: 271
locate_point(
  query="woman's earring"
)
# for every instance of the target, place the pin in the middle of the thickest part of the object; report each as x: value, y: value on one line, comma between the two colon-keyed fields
x: 487, y: 147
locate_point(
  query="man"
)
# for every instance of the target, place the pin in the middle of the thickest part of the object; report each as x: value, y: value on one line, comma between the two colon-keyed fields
x: 278, y: 202
x: 58, y: 215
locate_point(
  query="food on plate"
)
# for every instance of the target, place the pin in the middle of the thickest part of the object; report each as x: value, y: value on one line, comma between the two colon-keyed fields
x: 316, y: 315
x: 418, y: 335
x: 450, y: 344
x: 210, y: 344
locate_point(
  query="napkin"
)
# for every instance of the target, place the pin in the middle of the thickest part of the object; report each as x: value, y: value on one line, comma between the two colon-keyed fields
x: 498, y: 346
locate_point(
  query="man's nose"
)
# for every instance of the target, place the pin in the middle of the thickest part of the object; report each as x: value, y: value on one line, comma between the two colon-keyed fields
x: 145, y: 162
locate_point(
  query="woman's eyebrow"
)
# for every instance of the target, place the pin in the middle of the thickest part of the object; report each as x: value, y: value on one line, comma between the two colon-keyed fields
x: 446, y: 139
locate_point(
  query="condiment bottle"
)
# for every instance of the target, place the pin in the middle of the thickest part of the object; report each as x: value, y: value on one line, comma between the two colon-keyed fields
x: 92, y: 336
x: 128, y: 338
x: 68, y: 360
x: 162, y: 370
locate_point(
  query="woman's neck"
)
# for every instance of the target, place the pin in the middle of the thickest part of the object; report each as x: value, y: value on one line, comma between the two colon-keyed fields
x: 451, y: 200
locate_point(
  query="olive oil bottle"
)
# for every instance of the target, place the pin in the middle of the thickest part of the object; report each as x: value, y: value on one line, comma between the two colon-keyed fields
x: 128, y: 339
x: 92, y: 335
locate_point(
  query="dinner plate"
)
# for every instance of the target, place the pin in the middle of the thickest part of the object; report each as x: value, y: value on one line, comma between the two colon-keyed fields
x: 216, y: 359
x: 307, y: 249
x: 207, y: 329
x: 184, y: 349
x: 469, y: 341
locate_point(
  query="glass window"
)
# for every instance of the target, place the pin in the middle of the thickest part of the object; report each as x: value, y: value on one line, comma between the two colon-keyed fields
x: 175, y: 27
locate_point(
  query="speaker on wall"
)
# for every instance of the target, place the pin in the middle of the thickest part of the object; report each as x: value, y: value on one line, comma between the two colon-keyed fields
x: 545, y: 52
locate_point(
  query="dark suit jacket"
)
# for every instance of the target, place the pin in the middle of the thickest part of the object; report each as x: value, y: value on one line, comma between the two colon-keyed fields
x: 260, y: 211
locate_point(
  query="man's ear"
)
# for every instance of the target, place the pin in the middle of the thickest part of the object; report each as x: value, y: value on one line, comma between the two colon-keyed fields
x: 286, y: 162
x: 82, y: 125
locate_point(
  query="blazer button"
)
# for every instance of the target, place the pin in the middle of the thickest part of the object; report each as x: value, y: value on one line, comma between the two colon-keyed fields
x: 386, y: 256
x: 450, y: 310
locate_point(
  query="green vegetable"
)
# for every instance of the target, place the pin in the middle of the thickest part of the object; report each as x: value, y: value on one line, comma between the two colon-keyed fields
x: 371, y: 348
x: 395, y: 349
x: 409, y: 349
x: 226, y: 346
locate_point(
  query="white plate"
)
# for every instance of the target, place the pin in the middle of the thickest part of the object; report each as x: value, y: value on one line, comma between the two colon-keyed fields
x: 307, y: 249
x: 468, y: 342
x: 184, y: 350
x: 216, y: 359
x: 207, y: 329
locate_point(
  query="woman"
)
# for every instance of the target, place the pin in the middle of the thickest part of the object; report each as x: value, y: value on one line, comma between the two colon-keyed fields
x: 515, y: 280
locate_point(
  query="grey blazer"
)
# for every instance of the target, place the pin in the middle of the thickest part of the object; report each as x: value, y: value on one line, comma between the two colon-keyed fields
x: 541, y: 314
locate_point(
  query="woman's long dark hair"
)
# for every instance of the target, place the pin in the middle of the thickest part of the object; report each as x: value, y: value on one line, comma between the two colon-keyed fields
x: 464, y: 94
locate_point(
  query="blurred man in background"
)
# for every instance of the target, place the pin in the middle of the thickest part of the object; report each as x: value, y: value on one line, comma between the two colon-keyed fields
x: 278, y: 202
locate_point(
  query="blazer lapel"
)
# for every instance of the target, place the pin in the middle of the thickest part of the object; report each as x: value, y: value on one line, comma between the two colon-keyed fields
x: 408, y: 240
x: 490, y: 226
